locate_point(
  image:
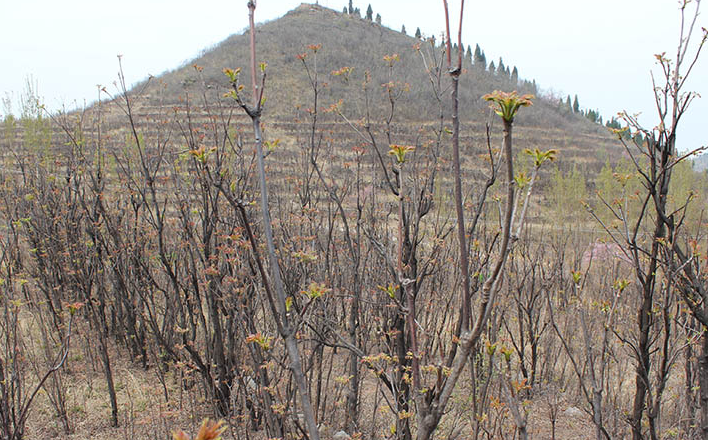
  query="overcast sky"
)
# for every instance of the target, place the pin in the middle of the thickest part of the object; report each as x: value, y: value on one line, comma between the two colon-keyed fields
x: 601, y: 50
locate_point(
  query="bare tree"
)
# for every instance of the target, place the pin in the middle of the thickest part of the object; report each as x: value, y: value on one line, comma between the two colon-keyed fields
x: 278, y: 307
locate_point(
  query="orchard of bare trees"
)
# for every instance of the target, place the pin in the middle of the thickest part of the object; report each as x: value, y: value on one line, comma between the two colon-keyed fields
x: 349, y: 274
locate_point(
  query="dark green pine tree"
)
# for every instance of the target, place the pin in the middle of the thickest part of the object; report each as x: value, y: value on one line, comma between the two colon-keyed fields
x: 576, y: 105
x: 345, y: 10
x: 515, y: 75
x: 479, y: 62
x: 357, y: 12
x: 351, y: 7
x: 378, y: 18
x: 369, y: 13
x: 403, y: 30
x: 418, y: 35
x: 492, y: 69
x: 613, y: 123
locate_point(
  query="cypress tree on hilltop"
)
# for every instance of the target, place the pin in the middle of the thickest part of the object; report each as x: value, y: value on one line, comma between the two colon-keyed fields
x: 613, y: 123
x: 403, y: 30
x: 501, y: 69
x: 378, y: 18
x: 479, y: 60
x: 515, y: 75
x: 351, y: 7
x: 345, y: 10
x: 369, y: 13
x: 469, y: 53
x: 576, y: 105
x: 492, y: 68
x: 418, y: 35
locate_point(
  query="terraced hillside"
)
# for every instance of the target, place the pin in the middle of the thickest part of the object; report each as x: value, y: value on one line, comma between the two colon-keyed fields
x: 346, y: 41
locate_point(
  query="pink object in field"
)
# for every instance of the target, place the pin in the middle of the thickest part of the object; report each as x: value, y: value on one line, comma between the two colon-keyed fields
x: 600, y: 252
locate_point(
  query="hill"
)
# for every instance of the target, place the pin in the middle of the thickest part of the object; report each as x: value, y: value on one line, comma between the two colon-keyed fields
x: 349, y: 41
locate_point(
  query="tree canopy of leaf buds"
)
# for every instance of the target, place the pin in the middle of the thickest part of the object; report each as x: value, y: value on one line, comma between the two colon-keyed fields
x: 539, y: 157
x: 210, y: 430
x: 391, y: 59
x: 262, y: 340
x: 344, y: 72
x: 399, y: 152
x: 73, y: 307
x: 232, y: 74
x: 507, y: 104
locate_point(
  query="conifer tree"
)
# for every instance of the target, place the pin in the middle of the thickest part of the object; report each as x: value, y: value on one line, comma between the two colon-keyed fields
x: 403, y: 30
x: 501, y: 69
x: 418, y: 35
x: 345, y: 10
x: 469, y: 53
x: 515, y: 75
x: 576, y: 105
x: 378, y: 18
x: 613, y: 123
x: 492, y: 68
x: 369, y: 13
x: 351, y: 7
x: 357, y: 12
x: 479, y: 60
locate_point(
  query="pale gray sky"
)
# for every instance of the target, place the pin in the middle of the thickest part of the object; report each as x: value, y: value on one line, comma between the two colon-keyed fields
x: 601, y: 50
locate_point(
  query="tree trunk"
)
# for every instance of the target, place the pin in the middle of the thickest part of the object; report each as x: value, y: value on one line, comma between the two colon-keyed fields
x: 353, y: 392
x: 690, y: 379
x: 105, y: 359
x: 703, y: 381
x: 643, y: 363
